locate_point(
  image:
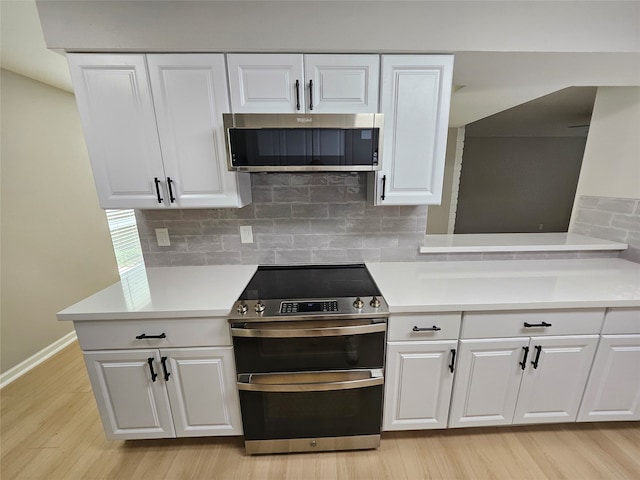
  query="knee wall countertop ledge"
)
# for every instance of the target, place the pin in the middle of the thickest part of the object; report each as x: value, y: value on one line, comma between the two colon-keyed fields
x: 516, y: 242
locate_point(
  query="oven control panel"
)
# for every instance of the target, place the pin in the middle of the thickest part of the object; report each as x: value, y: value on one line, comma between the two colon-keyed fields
x: 308, y: 307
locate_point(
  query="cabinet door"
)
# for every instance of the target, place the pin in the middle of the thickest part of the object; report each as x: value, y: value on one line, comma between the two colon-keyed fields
x: 613, y: 390
x: 418, y: 384
x: 115, y: 105
x: 342, y: 83
x: 485, y: 389
x: 415, y: 98
x: 266, y: 83
x: 190, y: 96
x: 202, y: 391
x: 552, y: 392
x: 132, y: 404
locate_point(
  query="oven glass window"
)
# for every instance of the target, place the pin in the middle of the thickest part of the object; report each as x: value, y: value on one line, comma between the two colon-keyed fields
x: 263, y: 355
x: 279, y: 415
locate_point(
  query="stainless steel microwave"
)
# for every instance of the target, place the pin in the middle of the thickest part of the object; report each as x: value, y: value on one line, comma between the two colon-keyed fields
x: 295, y: 142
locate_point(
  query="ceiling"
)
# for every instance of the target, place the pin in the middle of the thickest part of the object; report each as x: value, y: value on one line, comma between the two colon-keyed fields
x: 485, y: 82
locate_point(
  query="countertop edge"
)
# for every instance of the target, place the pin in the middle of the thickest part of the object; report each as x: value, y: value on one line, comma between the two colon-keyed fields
x: 173, y: 314
x: 421, y: 309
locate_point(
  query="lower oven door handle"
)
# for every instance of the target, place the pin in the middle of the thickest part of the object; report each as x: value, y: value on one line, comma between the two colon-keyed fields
x: 310, y: 381
x: 284, y: 332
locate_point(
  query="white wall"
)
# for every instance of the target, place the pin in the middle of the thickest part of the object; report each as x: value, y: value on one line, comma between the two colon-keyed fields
x: 56, y: 247
x: 611, y: 164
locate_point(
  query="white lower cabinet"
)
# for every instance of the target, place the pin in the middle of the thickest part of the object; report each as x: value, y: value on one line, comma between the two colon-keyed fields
x: 487, y: 381
x: 418, y: 387
x: 131, y: 405
x: 421, y: 356
x: 161, y: 378
x: 183, y: 392
x: 555, y: 379
x: 523, y: 379
x: 613, y: 390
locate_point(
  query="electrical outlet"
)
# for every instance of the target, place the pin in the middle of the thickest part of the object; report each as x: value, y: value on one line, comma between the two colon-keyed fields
x: 162, y: 235
x: 246, y: 234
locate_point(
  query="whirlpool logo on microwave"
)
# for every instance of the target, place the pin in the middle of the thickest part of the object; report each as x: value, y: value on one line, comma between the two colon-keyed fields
x: 304, y: 120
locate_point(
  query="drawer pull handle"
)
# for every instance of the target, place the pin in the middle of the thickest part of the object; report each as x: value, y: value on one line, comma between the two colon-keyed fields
x: 426, y: 329
x: 530, y: 325
x: 453, y: 359
x: 297, y: 94
x: 154, y: 375
x: 163, y: 362
x: 538, y: 350
x: 144, y: 335
x: 523, y: 363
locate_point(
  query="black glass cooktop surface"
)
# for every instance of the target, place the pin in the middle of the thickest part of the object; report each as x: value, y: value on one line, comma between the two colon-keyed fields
x: 310, y: 281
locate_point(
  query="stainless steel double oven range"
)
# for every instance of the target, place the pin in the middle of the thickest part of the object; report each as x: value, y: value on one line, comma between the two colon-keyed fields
x: 309, y: 343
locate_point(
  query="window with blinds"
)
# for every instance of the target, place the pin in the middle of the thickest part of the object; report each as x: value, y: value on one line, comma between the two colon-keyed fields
x: 125, y: 239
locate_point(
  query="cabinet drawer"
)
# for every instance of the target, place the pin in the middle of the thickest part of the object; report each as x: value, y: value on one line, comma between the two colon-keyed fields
x: 183, y: 332
x: 403, y: 327
x: 512, y: 323
x: 622, y: 321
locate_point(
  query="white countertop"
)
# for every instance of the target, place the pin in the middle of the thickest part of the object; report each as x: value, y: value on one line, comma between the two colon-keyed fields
x: 209, y: 291
x: 515, y: 242
x: 166, y: 292
x: 508, y: 284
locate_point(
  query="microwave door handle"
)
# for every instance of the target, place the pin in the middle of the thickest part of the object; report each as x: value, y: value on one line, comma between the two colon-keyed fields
x: 240, y: 330
x: 307, y: 382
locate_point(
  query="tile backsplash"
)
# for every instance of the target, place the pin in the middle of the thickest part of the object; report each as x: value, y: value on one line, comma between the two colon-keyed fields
x: 326, y: 218
x: 616, y: 219
x: 295, y: 218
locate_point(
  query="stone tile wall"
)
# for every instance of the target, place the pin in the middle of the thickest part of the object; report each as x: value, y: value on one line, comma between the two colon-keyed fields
x: 296, y: 218
x: 616, y: 219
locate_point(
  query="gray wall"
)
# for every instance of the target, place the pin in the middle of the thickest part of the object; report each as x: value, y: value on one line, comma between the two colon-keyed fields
x: 56, y: 247
x: 514, y: 184
x: 296, y: 218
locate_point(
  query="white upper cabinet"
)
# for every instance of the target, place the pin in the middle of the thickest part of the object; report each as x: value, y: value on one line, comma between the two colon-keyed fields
x: 415, y: 100
x: 295, y: 83
x: 116, y: 109
x: 154, y: 134
x: 342, y: 83
x: 190, y: 96
x: 266, y: 83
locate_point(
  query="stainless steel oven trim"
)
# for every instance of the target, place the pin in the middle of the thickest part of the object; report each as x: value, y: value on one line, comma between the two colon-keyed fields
x: 310, y: 381
x: 320, y: 444
x: 301, y: 120
x: 306, y: 329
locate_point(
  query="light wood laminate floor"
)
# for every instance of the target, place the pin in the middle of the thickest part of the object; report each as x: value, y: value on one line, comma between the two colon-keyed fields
x: 51, y: 430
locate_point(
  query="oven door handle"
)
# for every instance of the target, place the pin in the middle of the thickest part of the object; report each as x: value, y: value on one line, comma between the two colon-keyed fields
x: 310, y: 381
x: 241, y: 330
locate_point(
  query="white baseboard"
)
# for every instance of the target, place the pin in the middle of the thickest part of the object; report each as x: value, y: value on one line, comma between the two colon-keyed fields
x: 34, y: 360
